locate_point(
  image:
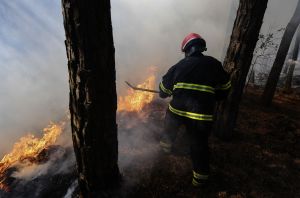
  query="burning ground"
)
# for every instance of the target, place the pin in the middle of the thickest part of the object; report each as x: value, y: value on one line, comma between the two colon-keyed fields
x: 262, y: 160
x: 38, y: 166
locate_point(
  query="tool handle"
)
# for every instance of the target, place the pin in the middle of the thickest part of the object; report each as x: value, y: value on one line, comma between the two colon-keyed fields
x: 141, y: 89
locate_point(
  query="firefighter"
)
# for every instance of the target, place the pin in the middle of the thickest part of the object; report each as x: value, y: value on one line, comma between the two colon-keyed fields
x: 195, y: 83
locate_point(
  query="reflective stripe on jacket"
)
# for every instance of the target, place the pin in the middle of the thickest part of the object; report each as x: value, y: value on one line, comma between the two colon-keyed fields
x: 195, y: 84
x: 191, y: 115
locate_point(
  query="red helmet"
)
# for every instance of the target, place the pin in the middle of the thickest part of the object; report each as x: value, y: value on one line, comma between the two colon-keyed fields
x: 191, y: 37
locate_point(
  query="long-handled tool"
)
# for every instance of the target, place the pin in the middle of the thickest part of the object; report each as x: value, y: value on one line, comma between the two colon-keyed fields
x: 140, y: 89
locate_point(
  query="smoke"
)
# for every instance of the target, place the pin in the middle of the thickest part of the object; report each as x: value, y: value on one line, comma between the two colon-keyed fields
x: 65, y: 156
x: 278, y: 14
x: 139, y: 135
x: 138, y: 141
x: 71, y: 190
x: 33, y: 73
x: 150, y: 32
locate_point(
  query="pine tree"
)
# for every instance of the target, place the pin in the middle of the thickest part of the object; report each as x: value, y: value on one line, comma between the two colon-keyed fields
x: 238, y: 60
x: 93, y: 103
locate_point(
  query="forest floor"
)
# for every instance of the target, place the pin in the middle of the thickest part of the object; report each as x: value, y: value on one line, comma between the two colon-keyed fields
x: 262, y: 159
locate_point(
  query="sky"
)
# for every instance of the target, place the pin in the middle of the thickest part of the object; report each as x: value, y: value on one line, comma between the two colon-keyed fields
x: 33, y: 72
x: 34, y: 78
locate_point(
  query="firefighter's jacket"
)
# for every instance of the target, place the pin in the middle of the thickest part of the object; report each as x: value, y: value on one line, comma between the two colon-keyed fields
x: 195, y: 84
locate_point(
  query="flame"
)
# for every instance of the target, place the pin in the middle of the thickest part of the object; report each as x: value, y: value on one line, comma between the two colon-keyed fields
x: 28, y: 147
x: 136, y: 100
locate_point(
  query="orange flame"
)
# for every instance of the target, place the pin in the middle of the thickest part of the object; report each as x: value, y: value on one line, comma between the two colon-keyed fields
x: 136, y: 100
x: 28, y: 147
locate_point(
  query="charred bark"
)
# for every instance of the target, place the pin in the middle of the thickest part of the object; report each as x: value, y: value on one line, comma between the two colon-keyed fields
x: 93, y: 103
x: 290, y: 73
x: 238, y: 61
x: 274, y: 75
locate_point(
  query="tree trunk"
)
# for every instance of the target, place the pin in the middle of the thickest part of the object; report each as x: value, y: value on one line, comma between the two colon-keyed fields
x: 274, y: 75
x: 252, y: 77
x: 238, y: 60
x: 289, y: 77
x: 93, y: 101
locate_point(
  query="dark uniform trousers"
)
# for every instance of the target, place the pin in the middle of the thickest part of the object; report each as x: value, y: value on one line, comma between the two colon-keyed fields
x: 198, y: 133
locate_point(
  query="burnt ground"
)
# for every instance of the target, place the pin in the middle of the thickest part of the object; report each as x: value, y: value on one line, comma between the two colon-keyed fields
x: 261, y: 160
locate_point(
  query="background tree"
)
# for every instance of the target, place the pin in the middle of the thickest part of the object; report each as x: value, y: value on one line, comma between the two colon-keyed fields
x: 292, y: 63
x: 284, y: 46
x: 93, y: 103
x: 265, y: 50
x: 238, y: 60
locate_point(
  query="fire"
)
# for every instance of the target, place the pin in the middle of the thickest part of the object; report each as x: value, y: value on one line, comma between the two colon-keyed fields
x: 28, y: 147
x: 136, y: 100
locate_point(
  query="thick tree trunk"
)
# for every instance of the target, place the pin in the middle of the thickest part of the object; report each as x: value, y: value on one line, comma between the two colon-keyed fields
x: 289, y: 77
x: 93, y: 103
x: 274, y: 75
x: 238, y: 60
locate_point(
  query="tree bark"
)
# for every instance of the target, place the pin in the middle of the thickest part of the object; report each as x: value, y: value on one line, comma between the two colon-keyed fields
x: 93, y: 100
x: 289, y: 77
x: 238, y: 61
x: 274, y: 75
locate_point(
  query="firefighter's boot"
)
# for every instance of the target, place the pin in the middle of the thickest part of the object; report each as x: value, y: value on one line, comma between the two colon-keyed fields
x: 199, y: 180
x: 165, y: 146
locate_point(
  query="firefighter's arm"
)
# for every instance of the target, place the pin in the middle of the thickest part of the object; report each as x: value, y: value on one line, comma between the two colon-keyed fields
x: 224, y: 85
x: 166, y: 85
